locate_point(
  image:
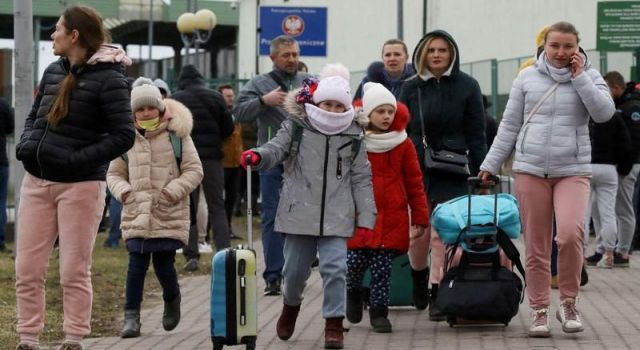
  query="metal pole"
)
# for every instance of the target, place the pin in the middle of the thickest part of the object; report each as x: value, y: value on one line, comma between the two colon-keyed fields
x: 258, y: 36
x: 638, y: 64
x: 400, y: 19
x: 36, y: 49
x: 424, y: 17
x: 150, y: 41
x: 23, y: 77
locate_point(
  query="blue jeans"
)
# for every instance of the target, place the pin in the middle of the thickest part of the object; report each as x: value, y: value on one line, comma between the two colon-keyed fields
x: 163, y: 265
x: 4, y: 181
x: 115, y: 209
x: 272, y: 241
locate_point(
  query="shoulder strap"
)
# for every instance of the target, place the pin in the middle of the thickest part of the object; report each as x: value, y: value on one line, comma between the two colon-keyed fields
x: 510, y: 250
x: 296, y: 137
x: 278, y: 81
x: 539, y: 103
x: 176, y: 144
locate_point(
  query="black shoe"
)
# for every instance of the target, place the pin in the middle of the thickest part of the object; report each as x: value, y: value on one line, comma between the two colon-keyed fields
x: 434, y: 312
x: 191, y: 265
x: 420, y: 288
x: 584, y: 276
x: 171, y: 314
x: 355, y: 304
x: 378, y: 318
x: 619, y: 261
x: 593, y: 259
x: 131, y: 326
x: 272, y: 287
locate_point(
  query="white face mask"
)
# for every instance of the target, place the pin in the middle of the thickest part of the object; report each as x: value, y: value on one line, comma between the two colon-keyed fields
x: 326, y: 122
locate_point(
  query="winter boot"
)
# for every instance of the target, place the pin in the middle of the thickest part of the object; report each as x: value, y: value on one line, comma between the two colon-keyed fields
x: 378, y: 317
x: 420, y: 288
x: 354, y: 305
x: 131, y: 326
x: 171, y: 314
x: 287, y: 321
x: 333, y: 337
x: 434, y: 312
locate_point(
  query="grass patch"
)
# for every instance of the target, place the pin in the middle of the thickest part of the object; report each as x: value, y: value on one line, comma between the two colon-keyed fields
x: 109, y: 270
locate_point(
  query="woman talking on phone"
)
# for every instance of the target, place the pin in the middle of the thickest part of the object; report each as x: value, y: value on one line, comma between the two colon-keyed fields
x: 546, y: 120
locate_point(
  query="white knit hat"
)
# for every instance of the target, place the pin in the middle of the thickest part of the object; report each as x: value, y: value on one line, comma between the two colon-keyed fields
x: 162, y: 85
x: 144, y: 93
x: 374, y: 95
x: 334, y: 85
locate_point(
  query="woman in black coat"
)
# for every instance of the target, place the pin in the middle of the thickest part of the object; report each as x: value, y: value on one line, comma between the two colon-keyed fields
x: 80, y: 120
x: 448, y: 104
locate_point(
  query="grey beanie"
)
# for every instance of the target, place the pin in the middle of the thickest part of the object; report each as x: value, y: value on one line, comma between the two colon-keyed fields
x: 162, y: 85
x: 144, y: 93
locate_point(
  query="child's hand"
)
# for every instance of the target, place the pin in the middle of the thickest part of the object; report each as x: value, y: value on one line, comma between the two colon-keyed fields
x: 125, y: 196
x: 254, y: 158
x: 164, y: 194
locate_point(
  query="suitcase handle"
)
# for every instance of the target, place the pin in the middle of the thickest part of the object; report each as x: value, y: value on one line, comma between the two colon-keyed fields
x: 476, y: 182
x: 249, y: 201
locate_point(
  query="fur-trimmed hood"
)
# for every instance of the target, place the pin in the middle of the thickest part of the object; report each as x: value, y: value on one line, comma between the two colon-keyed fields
x: 179, y: 117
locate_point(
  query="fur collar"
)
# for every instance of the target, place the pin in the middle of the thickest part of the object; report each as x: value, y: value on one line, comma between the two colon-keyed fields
x: 179, y: 117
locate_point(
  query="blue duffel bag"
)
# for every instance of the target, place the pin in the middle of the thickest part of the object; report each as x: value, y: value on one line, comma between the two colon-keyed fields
x: 451, y: 218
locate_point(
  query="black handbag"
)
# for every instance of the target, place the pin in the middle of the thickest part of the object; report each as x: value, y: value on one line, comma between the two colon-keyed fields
x: 442, y: 162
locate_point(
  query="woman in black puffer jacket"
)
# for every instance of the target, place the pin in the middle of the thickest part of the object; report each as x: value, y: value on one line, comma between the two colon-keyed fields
x: 80, y: 120
x: 448, y: 104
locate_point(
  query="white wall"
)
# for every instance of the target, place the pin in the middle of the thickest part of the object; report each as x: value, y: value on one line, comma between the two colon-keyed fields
x: 484, y: 29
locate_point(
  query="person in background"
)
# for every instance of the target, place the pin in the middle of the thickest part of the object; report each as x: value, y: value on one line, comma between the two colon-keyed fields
x: 261, y: 100
x: 627, y: 100
x: 491, y: 125
x: 302, y: 67
x: 232, y: 147
x: 163, y: 87
x: 6, y: 128
x: 154, y: 189
x: 211, y: 124
x: 447, y: 104
x: 71, y: 134
x: 392, y: 71
x: 546, y: 121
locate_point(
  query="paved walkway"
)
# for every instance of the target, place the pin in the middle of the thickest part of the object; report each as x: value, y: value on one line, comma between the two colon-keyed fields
x: 610, y: 304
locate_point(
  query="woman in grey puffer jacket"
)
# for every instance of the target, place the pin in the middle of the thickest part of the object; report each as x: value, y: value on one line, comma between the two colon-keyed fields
x: 546, y: 120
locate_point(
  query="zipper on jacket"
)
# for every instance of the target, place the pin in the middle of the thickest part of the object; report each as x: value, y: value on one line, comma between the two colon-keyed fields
x: 46, y: 130
x: 324, y: 184
x: 339, y: 165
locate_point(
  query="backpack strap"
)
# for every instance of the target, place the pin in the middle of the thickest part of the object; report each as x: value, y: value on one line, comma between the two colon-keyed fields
x: 510, y: 250
x: 176, y: 144
x: 355, y: 148
x: 296, y: 137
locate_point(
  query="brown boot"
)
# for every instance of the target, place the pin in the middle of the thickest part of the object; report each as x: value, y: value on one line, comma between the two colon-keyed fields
x: 333, y: 337
x: 287, y: 321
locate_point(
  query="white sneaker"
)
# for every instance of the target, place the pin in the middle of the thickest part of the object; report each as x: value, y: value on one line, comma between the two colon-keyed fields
x: 540, y: 326
x: 204, y: 247
x: 569, y: 316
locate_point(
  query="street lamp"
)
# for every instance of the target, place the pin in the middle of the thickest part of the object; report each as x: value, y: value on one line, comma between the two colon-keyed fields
x: 195, y: 29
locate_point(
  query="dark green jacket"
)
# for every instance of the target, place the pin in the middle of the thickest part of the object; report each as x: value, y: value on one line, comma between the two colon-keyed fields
x: 453, y: 117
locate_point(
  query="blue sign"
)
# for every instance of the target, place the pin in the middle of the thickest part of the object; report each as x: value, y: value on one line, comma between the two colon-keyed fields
x: 308, y: 25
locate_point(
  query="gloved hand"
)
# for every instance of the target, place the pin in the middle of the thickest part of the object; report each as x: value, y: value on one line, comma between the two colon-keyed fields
x: 255, y: 158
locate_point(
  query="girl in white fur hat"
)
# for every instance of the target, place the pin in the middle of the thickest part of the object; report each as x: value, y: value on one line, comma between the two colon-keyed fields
x: 326, y: 193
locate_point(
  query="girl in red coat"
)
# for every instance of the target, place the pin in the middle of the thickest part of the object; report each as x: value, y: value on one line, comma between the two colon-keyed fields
x: 397, y: 186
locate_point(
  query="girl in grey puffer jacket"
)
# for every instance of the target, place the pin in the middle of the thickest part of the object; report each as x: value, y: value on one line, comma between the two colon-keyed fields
x: 326, y: 193
x: 546, y: 121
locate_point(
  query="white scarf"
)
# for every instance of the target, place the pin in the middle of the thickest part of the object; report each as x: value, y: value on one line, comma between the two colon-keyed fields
x: 326, y: 122
x: 380, y: 143
x: 559, y: 75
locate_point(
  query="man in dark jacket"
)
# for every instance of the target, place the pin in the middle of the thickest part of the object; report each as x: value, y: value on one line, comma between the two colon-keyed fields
x: 261, y: 99
x: 6, y: 128
x: 627, y: 100
x: 211, y: 123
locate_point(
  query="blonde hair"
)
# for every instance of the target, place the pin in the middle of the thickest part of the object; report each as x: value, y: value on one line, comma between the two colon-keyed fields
x: 562, y: 27
x: 422, y: 60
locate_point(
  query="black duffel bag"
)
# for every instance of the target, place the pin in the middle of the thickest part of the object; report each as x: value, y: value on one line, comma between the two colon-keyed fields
x: 491, y: 293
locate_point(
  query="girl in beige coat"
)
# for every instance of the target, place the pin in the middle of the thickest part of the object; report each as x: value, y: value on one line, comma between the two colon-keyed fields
x: 153, y: 181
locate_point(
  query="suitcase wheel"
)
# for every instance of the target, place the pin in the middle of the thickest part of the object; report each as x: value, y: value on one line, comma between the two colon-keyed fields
x: 217, y: 346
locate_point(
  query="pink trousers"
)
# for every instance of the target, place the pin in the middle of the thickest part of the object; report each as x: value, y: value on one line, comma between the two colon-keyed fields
x: 72, y: 212
x: 540, y: 200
